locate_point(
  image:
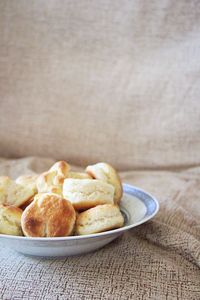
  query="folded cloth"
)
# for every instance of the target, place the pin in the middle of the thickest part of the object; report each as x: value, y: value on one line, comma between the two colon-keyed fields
x: 157, y: 260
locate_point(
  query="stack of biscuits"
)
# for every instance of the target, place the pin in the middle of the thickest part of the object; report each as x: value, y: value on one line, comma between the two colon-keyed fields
x: 60, y: 202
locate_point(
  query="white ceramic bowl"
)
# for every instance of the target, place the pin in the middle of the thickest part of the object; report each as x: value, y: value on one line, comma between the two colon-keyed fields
x: 137, y: 207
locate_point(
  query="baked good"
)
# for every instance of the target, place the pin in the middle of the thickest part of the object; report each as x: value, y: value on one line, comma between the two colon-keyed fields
x: 107, y: 173
x: 87, y: 193
x: 62, y: 169
x: 12, y: 193
x: 10, y: 220
x: 45, y: 183
x: 79, y: 175
x: 52, y: 180
x: 98, y: 219
x: 28, y: 181
x: 49, y: 215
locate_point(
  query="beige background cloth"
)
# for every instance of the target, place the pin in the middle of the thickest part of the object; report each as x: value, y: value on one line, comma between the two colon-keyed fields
x: 114, y: 81
x: 158, y: 260
x: 107, y: 80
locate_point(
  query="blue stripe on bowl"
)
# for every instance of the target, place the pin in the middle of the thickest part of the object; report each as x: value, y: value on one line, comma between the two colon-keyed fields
x: 147, y: 199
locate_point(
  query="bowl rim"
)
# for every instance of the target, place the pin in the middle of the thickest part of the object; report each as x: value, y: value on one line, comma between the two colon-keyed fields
x: 95, y: 235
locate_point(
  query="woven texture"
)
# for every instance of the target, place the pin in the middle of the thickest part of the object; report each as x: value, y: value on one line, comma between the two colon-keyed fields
x: 158, y: 260
x: 91, y: 80
x: 115, y: 81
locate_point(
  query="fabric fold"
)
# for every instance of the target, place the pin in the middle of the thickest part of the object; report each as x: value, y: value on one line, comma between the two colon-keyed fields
x: 158, y: 259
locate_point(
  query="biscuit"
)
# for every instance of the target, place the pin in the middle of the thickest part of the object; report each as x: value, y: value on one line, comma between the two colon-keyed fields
x: 107, y: 173
x: 10, y: 220
x: 79, y: 175
x: 87, y: 193
x: 29, y: 181
x: 100, y: 218
x: 49, y: 215
x: 45, y: 183
x: 52, y: 180
x: 62, y: 169
x: 12, y: 193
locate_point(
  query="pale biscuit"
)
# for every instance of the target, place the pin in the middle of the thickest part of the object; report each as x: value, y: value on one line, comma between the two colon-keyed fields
x: 28, y: 181
x: 87, y: 193
x: 98, y: 219
x: 52, y: 180
x: 10, y: 220
x: 45, y: 183
x: 49, y: 215
x: 79, y: 175
x: 107, y: 173
x: 12, y: 193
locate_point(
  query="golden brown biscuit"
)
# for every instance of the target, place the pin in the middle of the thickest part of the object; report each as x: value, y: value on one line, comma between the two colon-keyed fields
x: 107, y: 173
x: 49, y: 215
x: 12, y: 193
x: 52, y: 180
x: 62, y: 169
x: 87, y: 193
x: 10, y: 220
x: 100, y: 218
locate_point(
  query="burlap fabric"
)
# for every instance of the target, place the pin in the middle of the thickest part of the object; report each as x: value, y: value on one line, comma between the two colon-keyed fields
x: 101, y: 80
x: 114, y: 81
x: 158, y: 260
